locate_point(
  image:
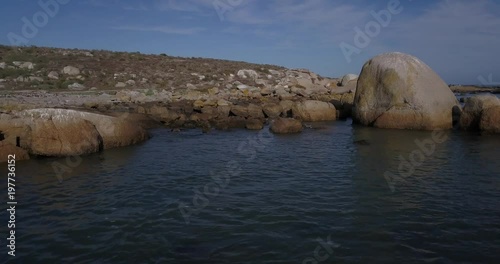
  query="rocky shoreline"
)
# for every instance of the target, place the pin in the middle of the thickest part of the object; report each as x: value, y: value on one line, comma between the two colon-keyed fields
x: 76, y: 120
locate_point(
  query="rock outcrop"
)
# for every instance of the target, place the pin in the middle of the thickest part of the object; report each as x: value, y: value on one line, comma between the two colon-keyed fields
x: 61, y: 132
x: 397, y: 90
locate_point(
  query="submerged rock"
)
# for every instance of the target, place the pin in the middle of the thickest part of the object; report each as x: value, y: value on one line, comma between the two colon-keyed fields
x: 254, y: 124
x: 397, y: 90
x: 286, y: 126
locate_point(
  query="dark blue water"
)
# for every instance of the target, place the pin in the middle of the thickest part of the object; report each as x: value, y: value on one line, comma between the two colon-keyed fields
x: 253, y: 197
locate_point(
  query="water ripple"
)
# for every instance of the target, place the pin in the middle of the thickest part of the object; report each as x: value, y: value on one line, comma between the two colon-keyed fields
x: 123, y: 205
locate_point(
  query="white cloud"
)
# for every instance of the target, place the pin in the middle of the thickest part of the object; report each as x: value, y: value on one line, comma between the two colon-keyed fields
x: 163, y: 29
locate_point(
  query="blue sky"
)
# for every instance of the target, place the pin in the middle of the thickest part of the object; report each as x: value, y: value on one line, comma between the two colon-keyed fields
x: 460, y: 39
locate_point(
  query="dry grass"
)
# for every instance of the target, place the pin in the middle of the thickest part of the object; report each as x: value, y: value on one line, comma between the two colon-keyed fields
x: 161, y: 71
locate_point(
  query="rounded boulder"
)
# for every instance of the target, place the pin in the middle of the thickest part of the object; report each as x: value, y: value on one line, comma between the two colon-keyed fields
x: 312, y: 111
x: 397, y: 90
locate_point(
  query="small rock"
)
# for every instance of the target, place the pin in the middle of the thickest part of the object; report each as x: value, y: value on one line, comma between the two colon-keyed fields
x: 24, y: 65
x: 130, y: 82
x: 265, y: 91
x: 243, y: 87
x: 198, y: 104
x: 213, y: 91
x: 248, y: 74
x: 261, y: 82
x: 53, y: 75
x: 222, y: 102
x: 70, y: 70
x: 2, y: 65
x: 285, y: 96
x: 120, y: 85
x: 272, y: 110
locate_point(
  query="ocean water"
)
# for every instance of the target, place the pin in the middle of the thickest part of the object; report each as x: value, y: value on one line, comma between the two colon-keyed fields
x: 336, y: 193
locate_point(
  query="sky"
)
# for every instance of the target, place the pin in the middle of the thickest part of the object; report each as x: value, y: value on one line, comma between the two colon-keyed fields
x: 459, y: 39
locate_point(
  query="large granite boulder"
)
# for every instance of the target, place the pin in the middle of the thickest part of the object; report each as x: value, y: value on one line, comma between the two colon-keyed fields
x: 63, y: 136
x: 286, y: 126
x: 312, y: 111
x: 397, y: 90
x: 481, y: 113
x: 62, y: 132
